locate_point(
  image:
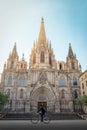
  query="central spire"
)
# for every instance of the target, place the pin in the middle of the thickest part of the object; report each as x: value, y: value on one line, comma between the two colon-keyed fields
x: 42, y: 35
x: 14, y: 51
x: 70, y: 52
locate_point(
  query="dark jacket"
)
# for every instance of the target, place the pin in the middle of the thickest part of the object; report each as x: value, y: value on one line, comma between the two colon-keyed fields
x: 42, y: 110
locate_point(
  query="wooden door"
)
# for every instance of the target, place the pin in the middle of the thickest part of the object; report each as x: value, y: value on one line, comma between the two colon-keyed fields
x: 44, y: 104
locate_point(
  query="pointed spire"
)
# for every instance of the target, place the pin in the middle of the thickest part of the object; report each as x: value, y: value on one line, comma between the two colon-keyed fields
x: 14, y: 51
x: 70, y: 52
x: 14, y: 48
x: 42, y: 35
x: 80, y: 68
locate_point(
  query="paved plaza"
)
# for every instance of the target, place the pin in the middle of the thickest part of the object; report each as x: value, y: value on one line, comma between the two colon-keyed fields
x: 56, y: 124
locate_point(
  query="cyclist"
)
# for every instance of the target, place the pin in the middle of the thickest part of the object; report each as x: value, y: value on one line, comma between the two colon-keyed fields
x: 42, y: 112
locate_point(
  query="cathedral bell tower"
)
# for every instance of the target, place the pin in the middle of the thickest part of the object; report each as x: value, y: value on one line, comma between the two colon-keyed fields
x: 22, y: 65
x: 72, y: 62
x: 13, y: 59
x: 42, y: 54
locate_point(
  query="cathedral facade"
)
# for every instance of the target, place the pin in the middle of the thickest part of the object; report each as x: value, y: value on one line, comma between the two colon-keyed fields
x: 45, y: 80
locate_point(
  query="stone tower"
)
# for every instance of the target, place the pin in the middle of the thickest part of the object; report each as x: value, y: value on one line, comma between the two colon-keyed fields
x: 42, y: 54
x: 72, y: 62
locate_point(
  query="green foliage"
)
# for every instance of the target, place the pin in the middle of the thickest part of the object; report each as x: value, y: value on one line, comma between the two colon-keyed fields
x: 3, y: 99
x: 81, y: 100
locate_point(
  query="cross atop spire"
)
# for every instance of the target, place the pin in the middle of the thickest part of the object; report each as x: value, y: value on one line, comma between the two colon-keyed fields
x: 42, y: 35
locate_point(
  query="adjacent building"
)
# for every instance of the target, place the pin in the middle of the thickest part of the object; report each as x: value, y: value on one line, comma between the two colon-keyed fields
x: 83, y: 83
x: 44, y: 80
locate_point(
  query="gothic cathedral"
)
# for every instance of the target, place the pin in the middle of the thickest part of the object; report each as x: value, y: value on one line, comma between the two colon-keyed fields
x: 45, y: 80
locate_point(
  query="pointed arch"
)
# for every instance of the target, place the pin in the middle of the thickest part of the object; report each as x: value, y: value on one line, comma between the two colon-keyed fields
x: 62, y: 81
x: 73, y: 65
x: 22, y: 81
x: 75, y: 82
x: 34, y: 58
x: 42, y: 57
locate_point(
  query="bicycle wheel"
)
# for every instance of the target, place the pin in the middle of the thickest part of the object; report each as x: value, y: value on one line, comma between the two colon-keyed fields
x: 34, y: 120
x: 46, y: 120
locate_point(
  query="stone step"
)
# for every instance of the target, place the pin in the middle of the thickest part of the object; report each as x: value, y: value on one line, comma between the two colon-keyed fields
x: 52, y: 116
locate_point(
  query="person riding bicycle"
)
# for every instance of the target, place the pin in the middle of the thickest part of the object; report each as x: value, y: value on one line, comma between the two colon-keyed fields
x: 42, y: 111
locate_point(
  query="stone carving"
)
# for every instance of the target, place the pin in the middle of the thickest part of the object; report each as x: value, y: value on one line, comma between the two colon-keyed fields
x: 43, y: 78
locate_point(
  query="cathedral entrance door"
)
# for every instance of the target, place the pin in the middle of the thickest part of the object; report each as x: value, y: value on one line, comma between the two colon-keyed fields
x: 44, y: 104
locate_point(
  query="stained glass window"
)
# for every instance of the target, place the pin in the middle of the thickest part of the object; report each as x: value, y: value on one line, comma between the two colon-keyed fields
x: 22, y: 81
x: 75, y: 81
x: 62, y: 81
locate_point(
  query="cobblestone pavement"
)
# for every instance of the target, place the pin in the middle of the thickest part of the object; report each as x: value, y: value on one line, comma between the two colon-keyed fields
x: 57, y: 124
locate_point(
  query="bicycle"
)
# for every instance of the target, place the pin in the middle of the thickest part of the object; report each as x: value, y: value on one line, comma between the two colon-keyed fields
x: 36, y: 118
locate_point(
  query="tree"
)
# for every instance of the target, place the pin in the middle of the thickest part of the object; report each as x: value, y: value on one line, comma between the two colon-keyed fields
x: 82, y: 100
x: 3, y: 100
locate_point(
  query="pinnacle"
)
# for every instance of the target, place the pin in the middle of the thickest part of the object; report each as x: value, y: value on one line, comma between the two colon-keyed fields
x: 42, y: 35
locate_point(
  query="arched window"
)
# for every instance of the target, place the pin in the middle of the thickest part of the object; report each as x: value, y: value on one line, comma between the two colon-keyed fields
x: 21, y: 93
x: 63, y: 94
x: 22, y: 81
x: 42, y: 57
x: 73, y: 65
x: 62, y: 81
x: 75, y: 81
x: 10, y: 80
x: 34, y: 59
x: 50, y: 60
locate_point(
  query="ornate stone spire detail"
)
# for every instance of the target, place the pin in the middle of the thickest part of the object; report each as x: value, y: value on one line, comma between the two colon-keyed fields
x: 42, y: 35
x: 42, y: 54
x: 14, y: 51
x: 70, y: 52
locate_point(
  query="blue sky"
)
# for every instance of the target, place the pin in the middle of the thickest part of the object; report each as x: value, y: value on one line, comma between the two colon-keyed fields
x: 65, y: 22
